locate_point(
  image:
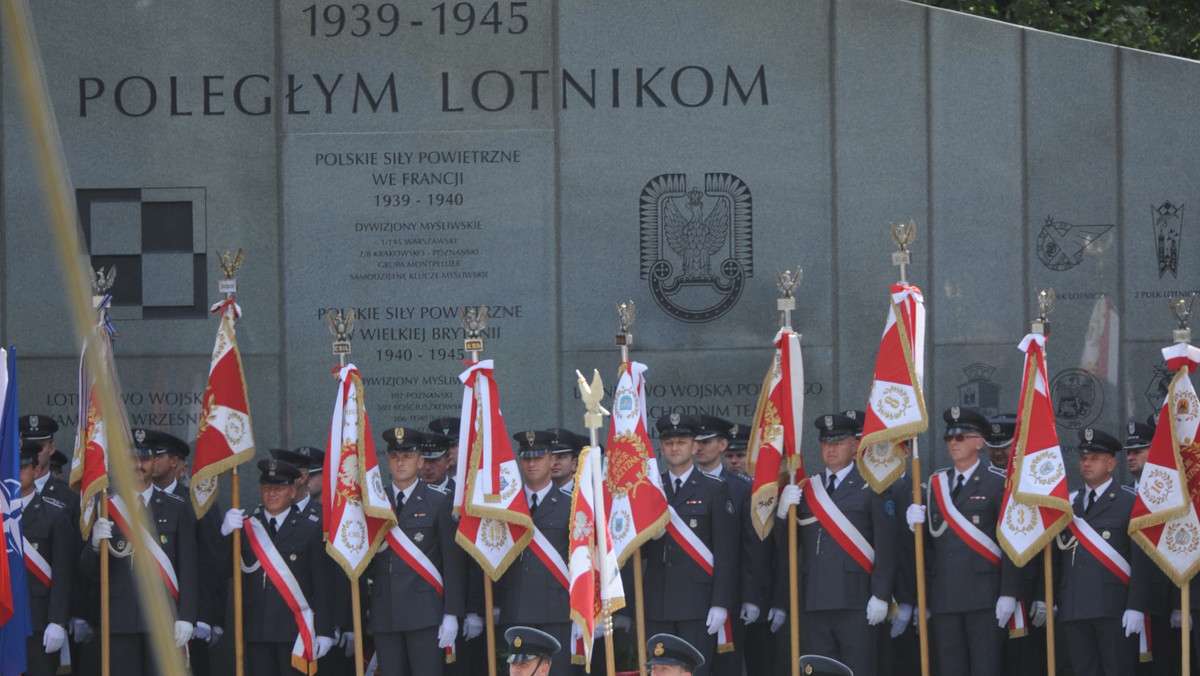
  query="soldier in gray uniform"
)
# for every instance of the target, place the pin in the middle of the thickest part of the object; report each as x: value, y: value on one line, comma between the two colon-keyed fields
x: 172, y: 522
x: 1100, y: 614
x: 529, y: 593
x: 973, y: 585
x: 50, y: 535
x: 412, y: 621
x: 844, y: 602
x: 564, y: 457
x: 682, y: 597
x: 270, y: 625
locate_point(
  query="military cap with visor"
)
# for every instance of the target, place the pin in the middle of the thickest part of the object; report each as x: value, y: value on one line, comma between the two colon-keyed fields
x: 1000, y: 431
x: 666, y: 649
x: 835, y: 427
x: 1138, y: 435
x: 403, y: 439
x: 964, y: 420
x: 677, y: 425
x: 527, y: 643
x: 1092, y: 440
x: 37, y: 427
x: 277, y: 472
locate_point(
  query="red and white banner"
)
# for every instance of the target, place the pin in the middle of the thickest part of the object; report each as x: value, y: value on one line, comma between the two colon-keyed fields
x: 1164, y: 520
x: 851, y: 540
x: 122, y: 518
x: 494, y: 523
x: 289, y: 588
x: 633, y: 494
x: 416, y: 559
x: 593, y: 580
x: 225, y: 438
x: 975, y: 538
x: 775, y: 434
x: 896, y: 409
x: 1036, y: 504
x: 357, y: 511
x: 89, y: 469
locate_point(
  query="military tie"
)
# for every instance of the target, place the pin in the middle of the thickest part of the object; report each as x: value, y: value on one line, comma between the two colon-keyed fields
x: 1090, y: 501
x: 533, y: 504
x: 678, y: 485
x: 832, y: 483
x: 957, y: 488
x: 399, y: 502
x: 272, y: 527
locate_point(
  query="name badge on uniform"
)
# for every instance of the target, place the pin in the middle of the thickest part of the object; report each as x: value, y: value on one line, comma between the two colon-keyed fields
x: 163, y: 538
x: 418, y: 537
x: 975, y: 519
x: 419, y: 515
x: 692, y: 523
x: 694, y: 502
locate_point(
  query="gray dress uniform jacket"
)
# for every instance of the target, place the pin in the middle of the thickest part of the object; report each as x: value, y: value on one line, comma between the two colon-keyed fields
x: 1088, y: 589
x: 46, y: 524
x: 529, y: 592
x: 268, y: 619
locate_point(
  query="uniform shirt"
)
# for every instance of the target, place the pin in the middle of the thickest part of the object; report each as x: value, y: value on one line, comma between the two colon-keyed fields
x: 1088, y: 589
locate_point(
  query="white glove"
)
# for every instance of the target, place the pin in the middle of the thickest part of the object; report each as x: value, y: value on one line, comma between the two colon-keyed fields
x: 876, y: 611
x: 217, y: 632
x: 345, y: 641
x: 448, y: 631
x: 101, y: 530
x: 203, y: 631
x: 790, y: 496
x: 183, y: 632
x: 232, y: 521
x: 1005, y: 607
x: 900, y: 621
x: 750, y: 613
x: 659, y: 534
x: 576, y: 634
x: 776, y: 616
x: 322, y: 646
x: 1133, y: 621
x: 81, y: 630
x: 716, y: 617
x: 472, y: 626
x: 622, y: 622
x: 914, y: 515
x: 496, y: 614
x: 54, y: 637
x: 1037, y: 614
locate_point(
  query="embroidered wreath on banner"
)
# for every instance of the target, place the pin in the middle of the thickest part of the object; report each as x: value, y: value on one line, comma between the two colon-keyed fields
x: 627, y: 404
x: 207, y: 414
x: 1046, y: 472
x: 236, y: 425
x: 1186, y: 407
x: 353, y: 535
x: 620, y: 523
x: 347, y: 483
x: 1021, y: 518
x: 493, y: 533
x: 1182, y: 538
x: 1156, y: 486
x: 508, y: 484
x: 582, y: 530
x: 772, y: 426
x: 377, y: 485
x: 626, y: 471
x: 894, y: 402
x: 880, y: 454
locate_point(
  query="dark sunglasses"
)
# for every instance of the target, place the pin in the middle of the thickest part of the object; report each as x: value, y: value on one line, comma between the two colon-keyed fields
x: 960, y: 436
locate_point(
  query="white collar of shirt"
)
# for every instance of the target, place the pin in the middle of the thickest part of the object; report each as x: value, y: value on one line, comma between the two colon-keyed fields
x: 171, y: 488
x: 406, y: 492
x: 683, y: 478
x: 541, y: 495
x: 445, y: 484
x: 26, y: 499
x: 40, y: 483
x: 303, y: 504
x: 840, y: 474
x: 1100, y: 490
x: 277, y: 518
x: 147, y: 494
x: 716, y: 471
x: 965, y: 475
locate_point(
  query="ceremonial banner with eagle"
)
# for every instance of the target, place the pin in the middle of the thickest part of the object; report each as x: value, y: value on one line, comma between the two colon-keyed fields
x: 1164, y: 519
x: 776, y: 431
x: 589, y: 589
x: 225, y: 438
x: 633, y: 494
x: 358, y: 514
x: 494, y: 523
x: 896, y: 410
x: 1036, y: 504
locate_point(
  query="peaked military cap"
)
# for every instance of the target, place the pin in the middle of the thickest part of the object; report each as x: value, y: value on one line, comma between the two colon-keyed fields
x: 1000, y: 430
x: 29, y: 451
x: 668, y: 649
x: 960, y: 419
x: 152, y: 442
x: 59, y: 459
x: 835, y: 427
x: 818, y: 665
x: 277, y: 472
x: 434, y: 446
x: 1092, y: 440
x: 712, y: 426
x: 859, y: 417
x: 739, y: 437
x: 533, y: 443
x: 303, y: 458
x: 527, y: 643
x: 1138, y: 435
x: 566, y: 441
x: 446, y: 426
x: 37, y: 427
x: 677, y: 425
x: 316, y: 457
x: 403, y: 439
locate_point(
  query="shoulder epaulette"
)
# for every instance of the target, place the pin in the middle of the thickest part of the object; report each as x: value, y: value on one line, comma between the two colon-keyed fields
x: 567, y: 491
x: 743, y: 477
x: 257, y: 510
x: 1003, y: 474
x: 711, y: 476
x: 1129, y: 489
x: 943, y: 470
x: 171, y: 495
x: 438, y: 489
x: 1071, y: 496
x: 313, y: 517
x: 57, y: 503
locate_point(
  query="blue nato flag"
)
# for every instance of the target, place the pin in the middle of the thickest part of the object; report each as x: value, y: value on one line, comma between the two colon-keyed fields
x: 15, y: 623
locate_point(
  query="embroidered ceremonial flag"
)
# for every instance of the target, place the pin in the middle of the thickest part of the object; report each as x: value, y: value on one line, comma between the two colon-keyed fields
x: 1036, y: 505
x: 494, y: 523
x: 358, y: 514
x: 776, y: 431
x: 1164, y: 519
x: 15, y: 622
x: 896, y: 410
x: 633, y: 494
x: 589, y: 588
x: 225, y: 438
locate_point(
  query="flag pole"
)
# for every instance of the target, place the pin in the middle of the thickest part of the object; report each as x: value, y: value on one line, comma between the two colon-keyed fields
x: 105, y: 609
x: 625, y: 314
x: 239, y: 648
x: 1048, y: 569
x: 1185, y: 624
x: 593, y: 419
x: 787, y: 283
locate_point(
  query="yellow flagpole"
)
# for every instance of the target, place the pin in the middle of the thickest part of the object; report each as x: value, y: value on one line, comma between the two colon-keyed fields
x: 239, y: 647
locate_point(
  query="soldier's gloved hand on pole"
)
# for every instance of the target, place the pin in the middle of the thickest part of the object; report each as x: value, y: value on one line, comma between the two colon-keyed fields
x: 447, y: 631
x: 661, y: 532
x: 183, y: 633
x: 750, y: 613
x: 1005, y: 607
x: 1133, y: 621
x: 80, y: 629
x: 716, y: 617
x: 576, y: 633
x: 202, y: 632
x: 54, y: 637
x: 217, y: 632
x: 232, y: 521
x: 322, y: 646
x: 900, y: 622
x: 790, y: 496
x: 345, y: 641
x: 914, y: 515
x: 472, y: 626
x: 1037, y: 614
x: 495, y: 613
x: 776, y: 616
x: 101, y: 530
x: 876, y: 611
x: 1177, y: 619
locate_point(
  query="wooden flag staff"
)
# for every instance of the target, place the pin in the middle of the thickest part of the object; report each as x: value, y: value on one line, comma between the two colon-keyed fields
x: 593, y: 420
x: 787, y: 283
